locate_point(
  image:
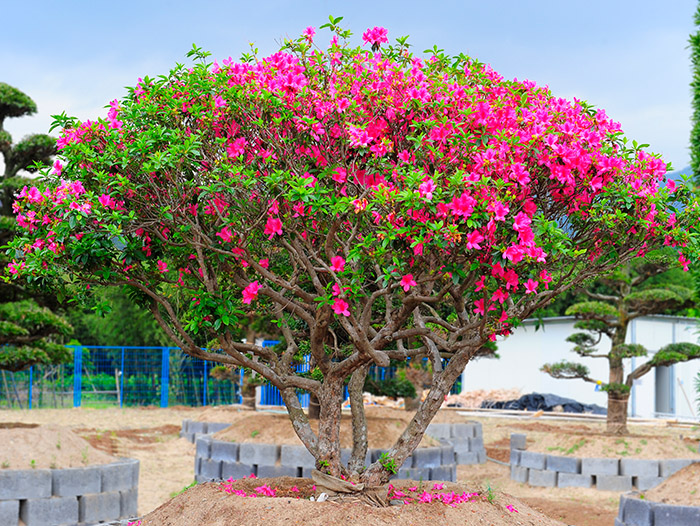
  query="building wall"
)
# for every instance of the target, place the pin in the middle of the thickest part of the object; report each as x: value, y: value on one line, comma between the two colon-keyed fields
x: 528, y: 349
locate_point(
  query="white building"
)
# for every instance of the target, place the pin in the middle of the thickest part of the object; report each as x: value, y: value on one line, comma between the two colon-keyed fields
x: 664, y: 391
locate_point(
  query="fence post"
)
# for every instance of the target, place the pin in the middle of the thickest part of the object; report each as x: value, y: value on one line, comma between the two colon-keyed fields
x: 121, y: 382
x: 29, y: 391
x: 204, y: 387
x: 164, y: 377
x: 77, y: 375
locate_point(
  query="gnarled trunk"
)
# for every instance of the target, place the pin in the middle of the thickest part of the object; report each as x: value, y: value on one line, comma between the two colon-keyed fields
x: 330, y: 398
x: 617, y: 413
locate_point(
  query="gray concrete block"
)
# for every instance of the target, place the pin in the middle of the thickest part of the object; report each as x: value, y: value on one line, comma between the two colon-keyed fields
x: 214, y: 427
x: 676, y: 515
x: 276, y: 471
x: 413, y: 474
x: 345, y: 454
x: 376, y: 454
x: 574, y: 480
x: 532, y: 460
x: 459, y: 443
x: 635, y: 512
x: 260, y: 454
x: 613, y: 483
x: 563, y: 464
x: 519, y: 474
x: 638, y: 467
x: 210, y: 469
x: 188, y: 436
x: 439, y: 430
x: 645, y: 483
x: 226, y: 451
x: 128, y: 503
x: 49, y: 512
x: 446, y: 473
x: 72, y: 482
x: 514, y: 457
x: 25, y: 484
x: 99, y: 507
x: 476, y: 444
x: 236, y: 470
x: 118, y: 476
x: 618, y: 522
x: 481, y: 456
x: 518, y: 441
x: 478, y: 429
x: 542, y: 478
x: 197, y: 465
x: 448, y: 455
x: 427, y: 457
x: 9, y: 512
x: 203, y: 447
x: 670, y: 465
x: 600, y: 466
x: 135, y: 471
x: 463, y: 431
x: 197, y: 427
x: 297, y: 456
x: 306, y: 472
x: 467, y: 458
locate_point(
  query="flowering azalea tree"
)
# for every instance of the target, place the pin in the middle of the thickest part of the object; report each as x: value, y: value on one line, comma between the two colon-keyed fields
x: 375, y: 204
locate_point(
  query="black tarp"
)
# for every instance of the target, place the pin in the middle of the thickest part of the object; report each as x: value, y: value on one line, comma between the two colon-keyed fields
x: 545, y: 402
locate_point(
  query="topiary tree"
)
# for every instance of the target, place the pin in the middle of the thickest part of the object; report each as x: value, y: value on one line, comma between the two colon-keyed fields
x: 377, y: 205
x: 628, y: 293
x: 28, y: 328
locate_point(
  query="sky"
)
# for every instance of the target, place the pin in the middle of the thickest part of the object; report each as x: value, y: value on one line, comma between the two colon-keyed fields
x: 629, y: 57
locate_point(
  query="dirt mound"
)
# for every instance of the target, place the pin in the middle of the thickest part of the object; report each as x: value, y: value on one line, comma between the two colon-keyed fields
x: 49, y: 446
x: 209, y: 504
x: 682, y: 488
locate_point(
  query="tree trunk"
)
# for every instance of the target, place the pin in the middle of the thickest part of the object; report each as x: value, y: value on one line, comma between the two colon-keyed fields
x: 359, y: 420
x: 617, y: 413
x: 314, y: 407
x: 330, y: 398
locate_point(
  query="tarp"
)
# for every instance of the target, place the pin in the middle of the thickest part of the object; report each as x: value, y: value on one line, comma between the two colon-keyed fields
x: 545, y: 402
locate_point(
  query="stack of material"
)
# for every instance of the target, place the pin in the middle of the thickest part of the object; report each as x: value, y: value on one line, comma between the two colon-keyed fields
x: 475, y: 399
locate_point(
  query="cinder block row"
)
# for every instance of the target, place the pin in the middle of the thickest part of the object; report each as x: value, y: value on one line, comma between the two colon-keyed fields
x: 638, y: 512
x: 613, y: 483
x: 542, y: 478
x: 192, y: 429
x: 466, y: 440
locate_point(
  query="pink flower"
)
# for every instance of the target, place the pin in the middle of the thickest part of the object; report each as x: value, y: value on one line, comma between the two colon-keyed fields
x: 438, y: 486
x: 251, y: 292
x: 473, y: 240
x: 407, y: 282
x: 341, y: 307
x: 309, y: 33
x: 426, y: 189
x: 340, y: 175
x: 513, y: 253
x: 225, y: 234
x: 273, y: 226
x: 511, y: 509
x: 531, y: 286
x: 500, y: 296
x: 499, y: 211
x: 337, y: 264
x: 162, y: 266
x: 375, y: 36
x: 219, y: 102
x: 106, y: 201
x: 264, y: 263
x: 671, y: 185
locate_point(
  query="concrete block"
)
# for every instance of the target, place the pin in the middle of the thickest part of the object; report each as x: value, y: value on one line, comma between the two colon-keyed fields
x: 518, y: 441
x: 225, y: 451
x: 439, y: 430
x: 118, y: 476
x: 197, y: 427
x: 458, y: 443
x: 676, y: 515
x: 260, y: 454
x: 345, y: 454
x: 613, y: 483
x: 188, y: 436
x: 448, y: 455
x: 467, y: 458
x: 600, y: 466
x: 645, y: 483
x: 306, y: 473
x: 514, y: 457
x: 519, y: 474
x: 25, y: 484
x: 635, y: 512
x: 563, y: 464
x: 542, y: 478
x: 185, y: 426
x: 135, y: 471
x: 574, y: 480
x: 413, y: 474
x: 49, y: 512
x: 214, y: 427
x: 72, y: 482
x: 447, y: 473
x: 476, y: 443
x: 481, y: 456
x: 638, y: 467
x: 532, y: 460
x: 99, y: 507
x: 203, y: 447
x: 197, y: 465
x: 463, y: 431
x: 128, y: 503
x: 427, y: 457
x: 670, y: 465
x: 9, y: 512
x: 375, y: 454
x: 276, y: 471
x: 296, y: 456
x: 210, y: 469
x: 618, y: 522
x: 236, y: 470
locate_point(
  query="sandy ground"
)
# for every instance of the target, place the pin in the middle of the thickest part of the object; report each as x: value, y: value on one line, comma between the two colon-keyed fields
x: 152, y: 436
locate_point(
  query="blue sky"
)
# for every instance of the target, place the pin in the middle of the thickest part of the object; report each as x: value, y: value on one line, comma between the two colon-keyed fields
x: 628, y: 57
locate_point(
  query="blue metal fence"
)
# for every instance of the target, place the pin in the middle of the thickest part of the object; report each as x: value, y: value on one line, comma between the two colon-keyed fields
x: 103, y: 376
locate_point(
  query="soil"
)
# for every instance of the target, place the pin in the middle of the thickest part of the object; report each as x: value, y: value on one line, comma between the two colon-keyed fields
x: 152, y: 436
x: 681, y: 488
